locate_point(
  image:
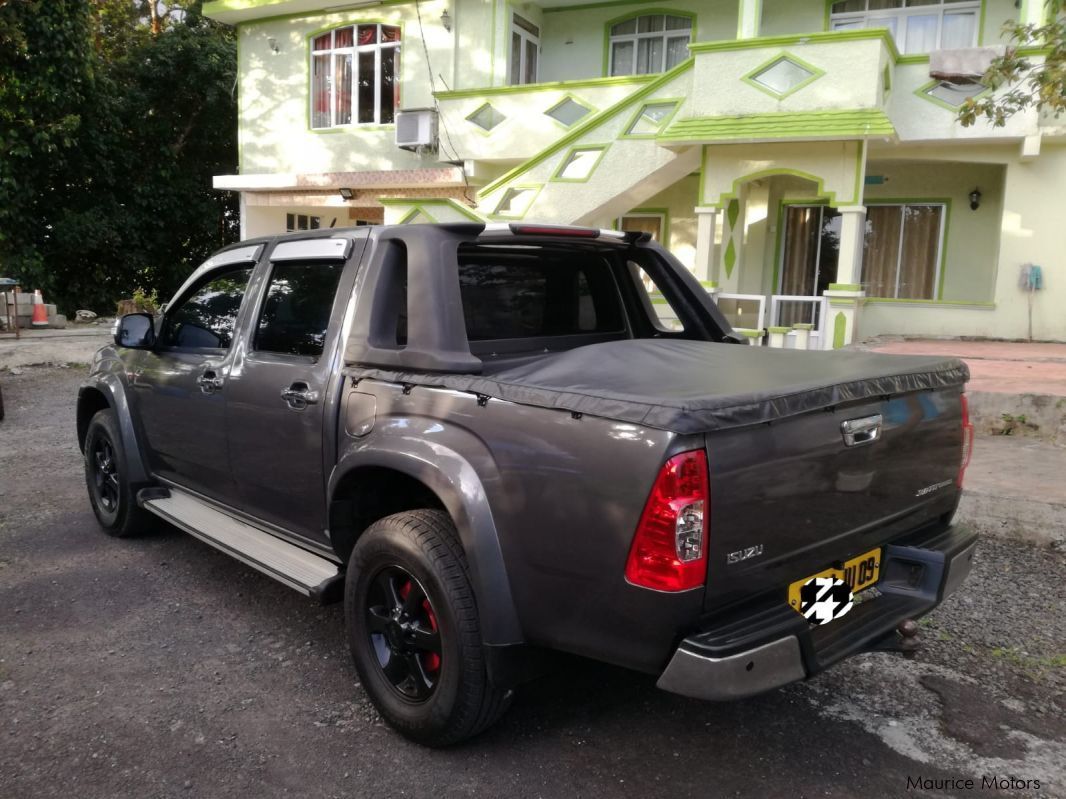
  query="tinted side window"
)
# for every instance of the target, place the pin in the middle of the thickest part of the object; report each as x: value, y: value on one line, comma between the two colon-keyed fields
x: 535, y: 297
x: 206, y: 319
x: 297, y: 308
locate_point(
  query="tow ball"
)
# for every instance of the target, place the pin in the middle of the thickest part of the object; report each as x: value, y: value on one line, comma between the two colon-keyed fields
x: 904, y: 639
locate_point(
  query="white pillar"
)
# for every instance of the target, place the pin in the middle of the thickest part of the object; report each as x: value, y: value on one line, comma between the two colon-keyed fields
x: 802, y: 333
x: 749, y: 18
x: 731, y: 254
x: 706, y: 219
x: 777, y: 336
x: 846, y: 295
x: 243, y: 211
x: 1033, y: 12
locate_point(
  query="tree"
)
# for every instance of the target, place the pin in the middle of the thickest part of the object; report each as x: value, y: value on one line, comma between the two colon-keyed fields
x: 1040, y: 86
x: 129, y: 204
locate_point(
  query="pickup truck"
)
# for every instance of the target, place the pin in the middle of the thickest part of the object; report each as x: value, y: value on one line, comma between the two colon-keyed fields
x: 488, y: 442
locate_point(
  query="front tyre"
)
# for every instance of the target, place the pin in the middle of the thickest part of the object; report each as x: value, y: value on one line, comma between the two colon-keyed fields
x: 106, y: 477
x: 414, y: 633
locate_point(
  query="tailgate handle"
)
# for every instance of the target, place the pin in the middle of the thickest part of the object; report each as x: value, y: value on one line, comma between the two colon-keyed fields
x: 861, y: 431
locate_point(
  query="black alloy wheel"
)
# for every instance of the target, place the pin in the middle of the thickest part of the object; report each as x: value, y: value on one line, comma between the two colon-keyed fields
x: 403, y: 630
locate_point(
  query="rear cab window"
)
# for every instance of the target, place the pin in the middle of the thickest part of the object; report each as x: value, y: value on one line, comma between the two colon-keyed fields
x: 296, y: 309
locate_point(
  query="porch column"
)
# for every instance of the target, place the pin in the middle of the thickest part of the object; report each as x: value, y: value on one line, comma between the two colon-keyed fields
x: 706, y: 265
x: 731, y: 252
x: 749, y: 18
x: 1033, y: 12
x: 844, y: 298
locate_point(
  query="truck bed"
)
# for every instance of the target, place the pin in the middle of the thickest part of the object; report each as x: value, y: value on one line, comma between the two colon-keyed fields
x: 696, y: 386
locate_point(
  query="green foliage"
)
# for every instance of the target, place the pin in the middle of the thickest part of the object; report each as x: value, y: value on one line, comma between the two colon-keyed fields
x: 1030, y: 85
x: 117, y: 131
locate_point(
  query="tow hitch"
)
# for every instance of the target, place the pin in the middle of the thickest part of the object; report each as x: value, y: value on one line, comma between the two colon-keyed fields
x: 904, y: 639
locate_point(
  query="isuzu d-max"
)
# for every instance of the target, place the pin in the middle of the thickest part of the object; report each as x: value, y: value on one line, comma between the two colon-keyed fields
x: 487, y: 441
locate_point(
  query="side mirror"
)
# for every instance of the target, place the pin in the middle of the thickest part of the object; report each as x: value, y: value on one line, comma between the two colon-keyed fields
x: 135, y: 331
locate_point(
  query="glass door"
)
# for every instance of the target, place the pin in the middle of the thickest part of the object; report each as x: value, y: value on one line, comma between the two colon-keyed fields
x: 810, y: 254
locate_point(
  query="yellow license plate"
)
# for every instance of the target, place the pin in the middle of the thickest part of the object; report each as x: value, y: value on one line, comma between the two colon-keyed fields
x: 859, y: 573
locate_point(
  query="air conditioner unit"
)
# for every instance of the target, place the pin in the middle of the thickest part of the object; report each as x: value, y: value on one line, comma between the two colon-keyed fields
x: 415, y: 128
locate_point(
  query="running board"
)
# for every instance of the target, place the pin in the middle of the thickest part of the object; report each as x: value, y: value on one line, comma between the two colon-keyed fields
x: 304, y: 571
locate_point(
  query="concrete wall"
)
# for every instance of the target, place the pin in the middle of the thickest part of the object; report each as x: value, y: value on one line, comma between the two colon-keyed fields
x: 573, y: 42
x: 1030, y: 230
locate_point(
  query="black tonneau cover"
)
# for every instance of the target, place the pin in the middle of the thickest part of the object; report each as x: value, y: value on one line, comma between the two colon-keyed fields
x: 695, y: 386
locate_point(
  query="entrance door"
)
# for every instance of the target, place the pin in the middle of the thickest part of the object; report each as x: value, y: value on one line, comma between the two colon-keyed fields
x: 180, y: 385
x: 277, y: 393
x: 811, y: 252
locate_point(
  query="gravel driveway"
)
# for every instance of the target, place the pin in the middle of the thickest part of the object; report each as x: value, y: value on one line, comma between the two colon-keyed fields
x: 160, y: 667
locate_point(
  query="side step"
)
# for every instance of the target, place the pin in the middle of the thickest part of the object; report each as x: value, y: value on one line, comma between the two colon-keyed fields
x: 304, y: 571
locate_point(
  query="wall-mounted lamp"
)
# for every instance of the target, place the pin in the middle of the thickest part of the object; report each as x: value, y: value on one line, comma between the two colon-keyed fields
x: 446, y: 20
x: 273, y: 45
x: 347, y: 194
x: 975, y: 199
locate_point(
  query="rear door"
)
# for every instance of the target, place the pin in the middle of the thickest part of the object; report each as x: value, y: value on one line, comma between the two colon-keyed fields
x: 180, y: 385
x: 279, y: 395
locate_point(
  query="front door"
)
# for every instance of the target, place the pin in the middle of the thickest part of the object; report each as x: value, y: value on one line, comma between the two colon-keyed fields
x: 276, y: 396
x: 180, y: 385
x: 810, y: 255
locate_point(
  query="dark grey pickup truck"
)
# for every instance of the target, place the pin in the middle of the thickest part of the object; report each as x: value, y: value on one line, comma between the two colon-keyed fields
x: 483, y: 439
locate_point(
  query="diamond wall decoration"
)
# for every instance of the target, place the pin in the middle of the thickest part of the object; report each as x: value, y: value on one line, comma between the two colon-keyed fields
x: 783, y: 75
x: 486, y: 117
x: 568, y: 111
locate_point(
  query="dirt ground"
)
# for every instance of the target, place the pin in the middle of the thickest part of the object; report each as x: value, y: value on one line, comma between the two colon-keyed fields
x: 159, y: 667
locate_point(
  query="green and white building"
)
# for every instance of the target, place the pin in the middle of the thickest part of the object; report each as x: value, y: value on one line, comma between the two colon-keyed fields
x: 797, y: 155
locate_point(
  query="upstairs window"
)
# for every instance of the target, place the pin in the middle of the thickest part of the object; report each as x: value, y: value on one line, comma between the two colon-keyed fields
x: 355, y: 76
x: 525, y: 48
x: 918, y: 26
x: 648, y: 44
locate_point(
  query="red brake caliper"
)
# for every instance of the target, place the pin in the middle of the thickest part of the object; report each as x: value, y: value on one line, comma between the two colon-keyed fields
x: 431, y: 660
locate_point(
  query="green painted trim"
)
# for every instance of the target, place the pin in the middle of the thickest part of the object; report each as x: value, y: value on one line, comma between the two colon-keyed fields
x: 582, y: 128
x: 588, y: 6
x: 915, y: 58
x: 415, y: 211
x: 840, y: 329
x: 793, y: 39
x: 663, y: 213
x: 662, y: 125
x: 709, y: 284
x: 886, y: 82
x: 740, y: 18
x: 213, y: 9
x: 589, y: 108
x: 803, y: 326
x: 533, y: 88
x: 643, y: 12
x: 784, y: 55
x: 981, y: 24
x: 921, y: 92
x: 447, y: 202
x: 536, y: 187
x: 975, y: 304
x: 492, y: 45
x: 240, y: 105
x: 777, y: 329
x: 557, y: 175
x: 782, y: 125
x: 844, y: 287
x: 749, y: 332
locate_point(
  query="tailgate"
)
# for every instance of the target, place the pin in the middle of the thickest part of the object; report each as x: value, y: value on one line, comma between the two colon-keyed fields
x: 791, y: 498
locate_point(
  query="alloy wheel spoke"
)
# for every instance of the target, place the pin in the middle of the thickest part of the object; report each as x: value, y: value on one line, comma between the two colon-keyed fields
x: 419, y: 680
x: 397, y: 670
x: 386, y: 583
x: 413, y: 603
x: 378, y: 619
x: 425, y: 639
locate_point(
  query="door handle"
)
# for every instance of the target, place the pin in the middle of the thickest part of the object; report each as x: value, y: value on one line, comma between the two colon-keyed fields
x: 209, y: 382
x: 298, y: 396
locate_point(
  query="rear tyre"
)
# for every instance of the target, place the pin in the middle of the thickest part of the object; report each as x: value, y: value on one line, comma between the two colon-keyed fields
x: 414, y: 632
x: 107, y: 479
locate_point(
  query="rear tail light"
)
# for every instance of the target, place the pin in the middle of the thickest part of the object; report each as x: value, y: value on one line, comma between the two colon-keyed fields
x: 669, y: 551
x: 967, y: 438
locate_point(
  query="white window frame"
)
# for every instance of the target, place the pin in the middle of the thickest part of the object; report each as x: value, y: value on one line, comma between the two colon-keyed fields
x: 527, y: 33
x: 877, y: 18
x: 636, y: 37
x: 899, y: 244
x: 354, y: 51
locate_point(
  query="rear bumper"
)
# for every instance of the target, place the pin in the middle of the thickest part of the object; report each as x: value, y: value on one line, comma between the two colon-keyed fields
x: 763, y: 648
